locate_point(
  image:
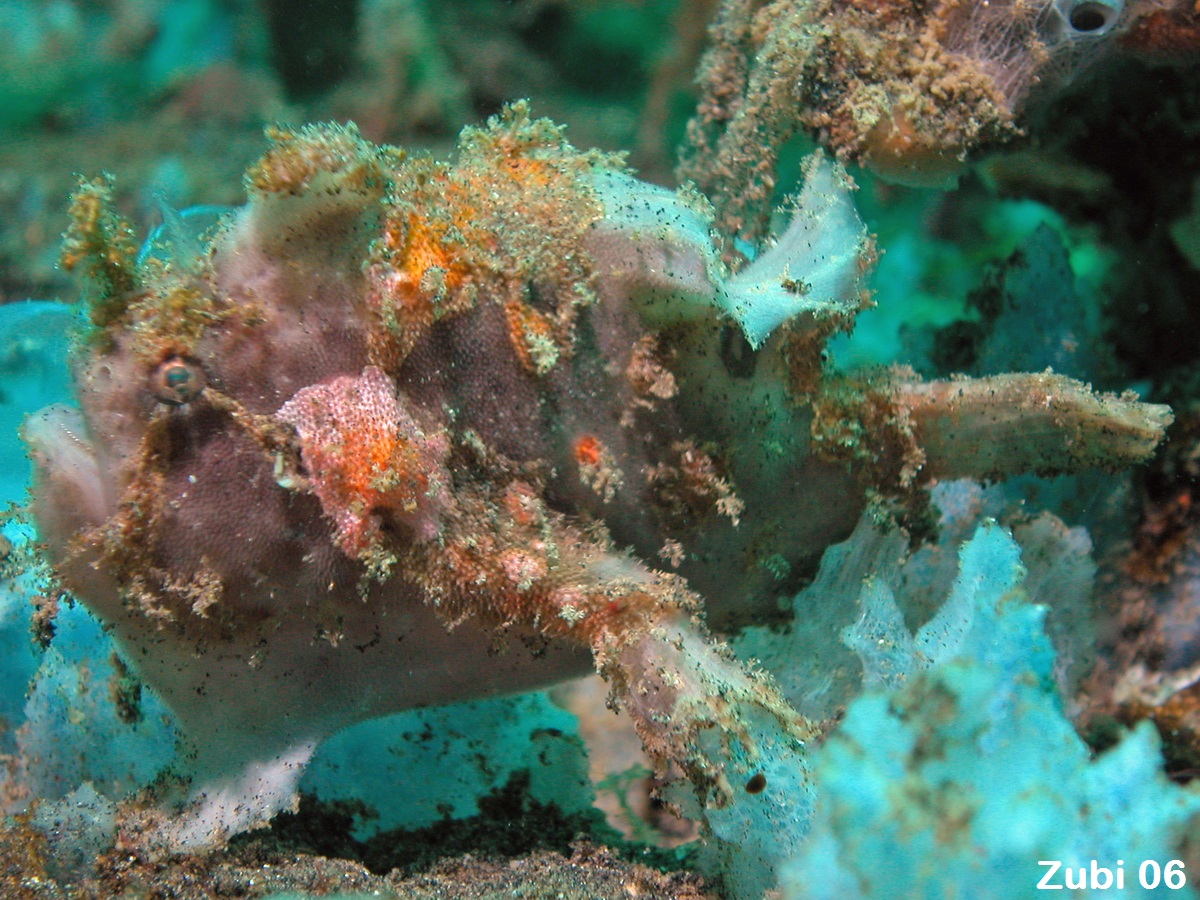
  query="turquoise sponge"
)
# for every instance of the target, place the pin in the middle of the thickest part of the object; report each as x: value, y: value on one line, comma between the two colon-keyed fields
x: 959, y: 776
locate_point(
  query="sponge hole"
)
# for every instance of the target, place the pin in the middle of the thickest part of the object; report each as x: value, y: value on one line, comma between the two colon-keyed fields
x: 1090, y: 17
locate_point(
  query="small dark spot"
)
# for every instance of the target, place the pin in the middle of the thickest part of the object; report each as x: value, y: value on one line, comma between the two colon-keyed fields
x: 757, y: 783
x: 363, y: 648
x: 736, y: 353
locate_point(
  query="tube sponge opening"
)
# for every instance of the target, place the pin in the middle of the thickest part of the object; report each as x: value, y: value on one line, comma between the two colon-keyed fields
x: 1074, y: 19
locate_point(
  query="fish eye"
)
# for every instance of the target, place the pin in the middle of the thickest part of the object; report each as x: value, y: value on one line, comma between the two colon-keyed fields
x: 177, y: 380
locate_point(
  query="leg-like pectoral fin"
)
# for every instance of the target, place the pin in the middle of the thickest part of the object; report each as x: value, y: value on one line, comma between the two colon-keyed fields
x: 904, y: 433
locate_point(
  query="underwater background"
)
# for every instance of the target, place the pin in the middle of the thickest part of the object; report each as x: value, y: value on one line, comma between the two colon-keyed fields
x: 1012, y: 679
